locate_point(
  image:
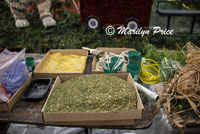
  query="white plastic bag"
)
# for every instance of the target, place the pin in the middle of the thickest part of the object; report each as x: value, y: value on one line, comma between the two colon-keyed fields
x: 4, y: 97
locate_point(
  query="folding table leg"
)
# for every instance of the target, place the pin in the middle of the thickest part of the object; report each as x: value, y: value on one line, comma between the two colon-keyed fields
x: 193, y: 22
x: 4, y: 128
x: 88, y: 131
x: 168, y: 21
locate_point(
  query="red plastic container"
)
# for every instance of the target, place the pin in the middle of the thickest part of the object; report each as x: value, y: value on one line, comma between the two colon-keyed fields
x: 116, y: 12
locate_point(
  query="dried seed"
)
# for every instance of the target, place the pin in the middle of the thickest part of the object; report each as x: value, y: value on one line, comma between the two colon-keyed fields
x: 93, y: 93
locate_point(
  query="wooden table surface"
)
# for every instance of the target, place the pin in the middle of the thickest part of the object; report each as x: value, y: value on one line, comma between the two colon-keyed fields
x: 27, y: 112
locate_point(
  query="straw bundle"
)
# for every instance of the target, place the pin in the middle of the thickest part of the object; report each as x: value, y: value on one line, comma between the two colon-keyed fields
x: 181, y: 96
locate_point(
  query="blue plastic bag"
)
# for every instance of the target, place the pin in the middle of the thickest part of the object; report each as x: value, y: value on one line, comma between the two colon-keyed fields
x: 14, y: 76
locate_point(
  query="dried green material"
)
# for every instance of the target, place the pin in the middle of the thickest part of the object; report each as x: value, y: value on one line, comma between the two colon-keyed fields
x: 93, y: 93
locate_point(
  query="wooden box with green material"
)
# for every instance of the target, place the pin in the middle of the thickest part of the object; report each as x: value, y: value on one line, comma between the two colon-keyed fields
x: 9, y: 105
x: 70, y: 112
x: 40, y: 71
x: 109, y: 50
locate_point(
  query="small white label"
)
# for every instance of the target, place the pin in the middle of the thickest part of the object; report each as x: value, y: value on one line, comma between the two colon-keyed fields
x: 128, y: 133
x: 30, y: 68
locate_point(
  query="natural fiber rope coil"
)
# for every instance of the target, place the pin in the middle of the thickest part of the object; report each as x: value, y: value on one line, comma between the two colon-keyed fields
x: 184, y: 87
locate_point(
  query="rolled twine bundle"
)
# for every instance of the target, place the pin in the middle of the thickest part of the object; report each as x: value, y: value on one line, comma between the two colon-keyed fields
x: 188, y: 82
x: 183, y: 86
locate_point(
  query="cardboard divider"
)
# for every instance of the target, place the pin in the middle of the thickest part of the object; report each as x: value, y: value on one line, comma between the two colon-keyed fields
x: 94, y: 118
x: 9, y: 105
x: 110, y: 50
x: 39, y: 74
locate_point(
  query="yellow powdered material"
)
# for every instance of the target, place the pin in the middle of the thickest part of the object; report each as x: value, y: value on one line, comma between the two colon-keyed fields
x: 69, y: 63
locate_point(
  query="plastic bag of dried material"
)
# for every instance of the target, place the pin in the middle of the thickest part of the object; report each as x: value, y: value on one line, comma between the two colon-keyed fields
x: 13, y: 70
x: 14, y: 76
x: 7, y: 58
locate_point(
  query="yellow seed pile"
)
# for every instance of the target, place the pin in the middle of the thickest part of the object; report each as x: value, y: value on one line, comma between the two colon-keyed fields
x: 68, y: 63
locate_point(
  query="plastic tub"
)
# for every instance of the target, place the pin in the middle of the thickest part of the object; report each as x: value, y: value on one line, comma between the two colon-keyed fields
x: 30, y: 64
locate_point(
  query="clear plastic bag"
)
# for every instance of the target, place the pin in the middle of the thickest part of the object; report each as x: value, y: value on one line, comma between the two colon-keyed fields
x: 13, y: 71
x: 168, y: 67
x: 14, y: 76
x: 7, y: 58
